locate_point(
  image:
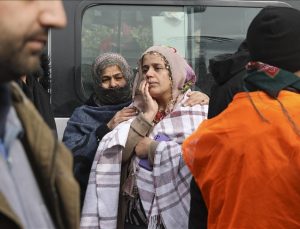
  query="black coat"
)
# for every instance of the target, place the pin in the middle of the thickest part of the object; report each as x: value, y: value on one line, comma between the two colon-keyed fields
x: 40, y: 98
x: 228, y: 71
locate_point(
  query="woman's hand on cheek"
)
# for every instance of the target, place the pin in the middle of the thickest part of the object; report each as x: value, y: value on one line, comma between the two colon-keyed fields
x: 150, y: 105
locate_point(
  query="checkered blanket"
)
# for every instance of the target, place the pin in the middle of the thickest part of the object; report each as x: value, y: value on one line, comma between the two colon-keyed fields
x: 164, y: 192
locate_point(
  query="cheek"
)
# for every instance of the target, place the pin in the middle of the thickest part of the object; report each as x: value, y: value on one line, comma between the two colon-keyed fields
x: 104, y: 85
x: 166, y: 81
x: 9, y: 41
x: 122, y: 83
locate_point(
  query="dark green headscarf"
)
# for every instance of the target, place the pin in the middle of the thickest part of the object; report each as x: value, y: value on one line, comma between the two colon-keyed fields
x: 271, y: 80
x: 263, y: 77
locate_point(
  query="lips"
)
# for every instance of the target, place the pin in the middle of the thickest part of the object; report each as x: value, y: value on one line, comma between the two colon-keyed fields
x: 151, y: 82
x: 153, y: 85
x: 37, y: 43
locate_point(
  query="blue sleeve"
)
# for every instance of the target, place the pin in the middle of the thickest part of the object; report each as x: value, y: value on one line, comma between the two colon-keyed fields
x: 82, y: 138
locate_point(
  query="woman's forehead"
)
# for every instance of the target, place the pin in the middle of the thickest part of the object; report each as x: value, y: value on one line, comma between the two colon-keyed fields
x: 151, y: 58
x: 112, y: 68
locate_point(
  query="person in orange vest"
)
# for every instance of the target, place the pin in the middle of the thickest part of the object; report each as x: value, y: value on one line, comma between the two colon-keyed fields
x: 246, y: 160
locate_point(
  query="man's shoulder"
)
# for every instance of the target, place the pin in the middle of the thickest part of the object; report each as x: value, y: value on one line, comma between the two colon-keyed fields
x: 34, y: 127
x: 16, y: 92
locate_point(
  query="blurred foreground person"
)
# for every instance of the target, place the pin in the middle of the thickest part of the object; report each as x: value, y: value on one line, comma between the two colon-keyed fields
x: 246, y: 160
x: 37, y: 188
x: 138, y: 178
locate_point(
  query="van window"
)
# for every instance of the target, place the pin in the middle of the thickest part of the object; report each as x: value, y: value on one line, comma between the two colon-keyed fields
x: 197, y: 32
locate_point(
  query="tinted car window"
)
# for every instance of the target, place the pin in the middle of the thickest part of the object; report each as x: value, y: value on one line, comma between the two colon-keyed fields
x: 198, y: 33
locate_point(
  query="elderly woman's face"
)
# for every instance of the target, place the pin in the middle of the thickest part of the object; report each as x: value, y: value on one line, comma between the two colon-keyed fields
x: 157, y: 75
x: 112, y: 77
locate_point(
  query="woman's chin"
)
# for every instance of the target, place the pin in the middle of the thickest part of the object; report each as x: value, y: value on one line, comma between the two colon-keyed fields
x: 154, y: 93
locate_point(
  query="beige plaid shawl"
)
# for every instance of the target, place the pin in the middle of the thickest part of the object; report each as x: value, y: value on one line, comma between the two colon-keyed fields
x: 164, y: 192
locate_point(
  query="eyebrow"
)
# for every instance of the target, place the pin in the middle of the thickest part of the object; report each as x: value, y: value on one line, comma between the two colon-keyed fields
x: 114, y: 75
x: 154, y: 64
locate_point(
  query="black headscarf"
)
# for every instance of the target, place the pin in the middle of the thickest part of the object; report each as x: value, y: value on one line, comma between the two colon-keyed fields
x: 112, y: 96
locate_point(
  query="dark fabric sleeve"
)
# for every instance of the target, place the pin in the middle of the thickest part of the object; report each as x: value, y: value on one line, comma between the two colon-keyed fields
x: 101, y: 131
x: 83, y: 163
x: 222, y: 95
x: 86, y: 127
x: 41, y: 100
x: 81, y: 139
x: 198, y: 211
x: 6, y: 222
x: 83, y: 153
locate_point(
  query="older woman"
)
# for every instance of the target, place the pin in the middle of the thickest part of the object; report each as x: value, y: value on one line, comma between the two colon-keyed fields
x: 105, y: 109
x: 138, y: 178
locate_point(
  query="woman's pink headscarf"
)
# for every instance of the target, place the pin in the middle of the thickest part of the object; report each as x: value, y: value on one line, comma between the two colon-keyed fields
x: 183, y: 76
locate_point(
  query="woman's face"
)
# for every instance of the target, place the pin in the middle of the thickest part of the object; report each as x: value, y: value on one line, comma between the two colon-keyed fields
x: 112, y: 77
x: 157, y: 75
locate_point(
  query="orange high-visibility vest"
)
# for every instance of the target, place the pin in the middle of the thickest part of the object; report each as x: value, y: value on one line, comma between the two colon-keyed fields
x: 248, y: 168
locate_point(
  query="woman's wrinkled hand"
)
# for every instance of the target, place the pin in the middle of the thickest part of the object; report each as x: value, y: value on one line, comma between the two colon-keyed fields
x: 142, y: 148
x: 121, y: 116
x: 196, y: 97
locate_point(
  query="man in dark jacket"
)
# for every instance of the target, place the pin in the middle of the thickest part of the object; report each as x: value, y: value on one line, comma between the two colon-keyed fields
x: 37, y: 189
x: 228, y: 71
x: 36, y: 87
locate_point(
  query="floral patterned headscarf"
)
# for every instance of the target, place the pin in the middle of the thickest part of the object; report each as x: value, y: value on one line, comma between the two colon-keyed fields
x: 181, y: 73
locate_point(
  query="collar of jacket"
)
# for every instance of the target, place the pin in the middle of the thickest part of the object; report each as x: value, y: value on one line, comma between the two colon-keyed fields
x: 270, y: 79
x: 51, y: 163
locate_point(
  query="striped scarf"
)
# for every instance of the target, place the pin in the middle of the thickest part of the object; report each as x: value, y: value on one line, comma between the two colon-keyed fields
x: 164, y: 192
